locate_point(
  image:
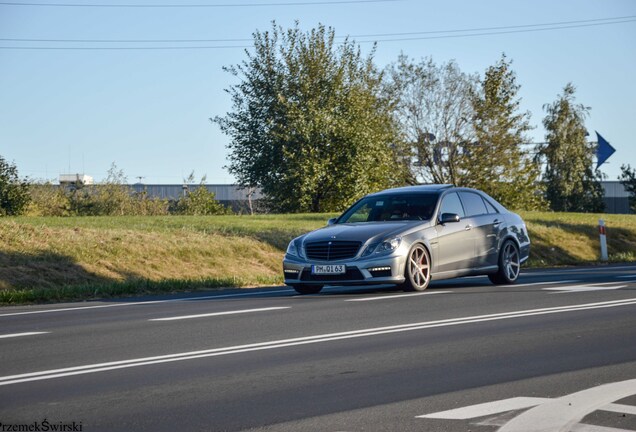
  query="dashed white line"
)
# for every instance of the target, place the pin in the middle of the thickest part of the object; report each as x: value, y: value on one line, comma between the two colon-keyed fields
x: 590, y: 287
x: 141, y: 303
x: 13, y: 335
x: 212, y: 314
x: 387, y: 297
x: 545, y: 283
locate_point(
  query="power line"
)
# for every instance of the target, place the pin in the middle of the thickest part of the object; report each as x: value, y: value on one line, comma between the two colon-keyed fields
x: 378, y: 38
x: 501, y: 32
x: 224, y: 5
x: 560, y: 23
x: 530, y: 27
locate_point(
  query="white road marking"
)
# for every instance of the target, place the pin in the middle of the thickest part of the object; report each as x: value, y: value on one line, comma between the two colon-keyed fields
x: 512, y: 404
x: 387, y: 297
x: 544, y: 283
x: 563, y: 413
x: 212, y: 314
x: 100, y: 367
x: 21, y: 334
x: 488, y: 408
x: 582, y: 288
x: 620, y: 408
x: 580, y: 427
x: 141, y: 303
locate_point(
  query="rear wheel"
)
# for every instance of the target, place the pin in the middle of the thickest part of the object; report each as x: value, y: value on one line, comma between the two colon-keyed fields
x: 307, y: 289
x: 509, y: 265
x: 418, y: 269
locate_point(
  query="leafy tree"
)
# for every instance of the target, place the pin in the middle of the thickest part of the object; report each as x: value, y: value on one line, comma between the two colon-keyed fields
x: 434, y: 112
x: 308, y: 123
x: 628, y: 179
x: 14, y: 193
x: 572, y: 185
x: 496, y: 161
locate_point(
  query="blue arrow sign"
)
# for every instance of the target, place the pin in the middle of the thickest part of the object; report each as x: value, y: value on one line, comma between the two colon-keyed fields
x: 603, y: 150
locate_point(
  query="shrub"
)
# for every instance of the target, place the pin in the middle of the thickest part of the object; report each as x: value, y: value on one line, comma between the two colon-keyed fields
x: 14, y: 193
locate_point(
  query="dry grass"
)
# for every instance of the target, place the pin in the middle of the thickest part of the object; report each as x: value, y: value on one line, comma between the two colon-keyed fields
x: 573, y: 238
x: 43, y: 259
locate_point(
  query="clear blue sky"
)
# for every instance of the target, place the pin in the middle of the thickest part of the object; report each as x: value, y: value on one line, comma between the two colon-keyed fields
x: 147, y: 110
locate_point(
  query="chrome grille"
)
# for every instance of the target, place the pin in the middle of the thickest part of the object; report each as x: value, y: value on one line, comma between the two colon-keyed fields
x: 332, y: 250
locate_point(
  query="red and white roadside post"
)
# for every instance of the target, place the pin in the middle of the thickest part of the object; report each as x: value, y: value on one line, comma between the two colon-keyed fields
x: 601, y: 232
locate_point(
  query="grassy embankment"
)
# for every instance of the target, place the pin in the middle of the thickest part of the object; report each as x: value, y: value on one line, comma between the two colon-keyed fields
x: 52, y: 259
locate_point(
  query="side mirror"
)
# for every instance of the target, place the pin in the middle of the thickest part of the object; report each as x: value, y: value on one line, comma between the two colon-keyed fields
x: 332, y: 221
x: 448, y: 218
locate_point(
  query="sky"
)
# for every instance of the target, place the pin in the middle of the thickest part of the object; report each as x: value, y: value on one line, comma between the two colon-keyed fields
x: 147, y: 111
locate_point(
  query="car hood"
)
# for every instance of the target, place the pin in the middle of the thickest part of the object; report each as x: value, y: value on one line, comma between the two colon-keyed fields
x: 362, y: 232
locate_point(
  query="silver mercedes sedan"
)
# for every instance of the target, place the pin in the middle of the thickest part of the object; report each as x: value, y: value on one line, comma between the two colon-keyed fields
x: 409, y: 236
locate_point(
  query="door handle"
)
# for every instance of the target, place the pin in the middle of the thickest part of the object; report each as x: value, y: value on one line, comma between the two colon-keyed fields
x: 496, y: 222
x: 468, y: 227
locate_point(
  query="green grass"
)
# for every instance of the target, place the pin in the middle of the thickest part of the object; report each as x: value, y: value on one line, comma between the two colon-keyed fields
x: 78, y: 258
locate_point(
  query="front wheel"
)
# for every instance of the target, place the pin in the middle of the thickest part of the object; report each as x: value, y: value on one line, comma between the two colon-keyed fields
x: 307, y: 289
x: 418, y: 269
x: 509, y: 265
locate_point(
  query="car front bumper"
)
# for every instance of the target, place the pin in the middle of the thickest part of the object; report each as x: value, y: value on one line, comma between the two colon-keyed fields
x: 372, y: 271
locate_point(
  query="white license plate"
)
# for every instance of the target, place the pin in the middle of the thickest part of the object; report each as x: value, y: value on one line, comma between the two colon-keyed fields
x: 329, y: 269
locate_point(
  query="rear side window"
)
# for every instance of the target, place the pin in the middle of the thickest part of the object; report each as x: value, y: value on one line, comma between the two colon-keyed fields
x: 452, y: 204
x: 473, y: 204
x: 490, y: 207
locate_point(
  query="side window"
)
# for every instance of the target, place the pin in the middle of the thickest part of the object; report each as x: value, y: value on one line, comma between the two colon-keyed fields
x: 452, y: 204
x: 490, y: 207
x: 473, y: 204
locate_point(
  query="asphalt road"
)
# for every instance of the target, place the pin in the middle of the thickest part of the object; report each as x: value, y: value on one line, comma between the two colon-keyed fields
x: 556, y: 351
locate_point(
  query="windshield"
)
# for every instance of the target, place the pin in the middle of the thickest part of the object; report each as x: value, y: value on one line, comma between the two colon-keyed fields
x: 382, y: 208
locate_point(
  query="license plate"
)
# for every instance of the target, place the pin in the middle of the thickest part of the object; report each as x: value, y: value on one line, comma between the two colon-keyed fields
x: 329, y: 269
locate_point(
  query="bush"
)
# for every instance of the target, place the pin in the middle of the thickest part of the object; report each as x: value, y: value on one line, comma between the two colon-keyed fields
x: 113, y: 197
x: 48, y: 200
x: 14, y: 193
x: 200, y: 202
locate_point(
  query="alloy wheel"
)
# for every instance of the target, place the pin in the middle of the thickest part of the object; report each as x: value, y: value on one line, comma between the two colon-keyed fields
x: 419, y: 269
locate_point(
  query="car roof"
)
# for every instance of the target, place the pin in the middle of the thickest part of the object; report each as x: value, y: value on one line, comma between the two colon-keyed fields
x: 416, y: 189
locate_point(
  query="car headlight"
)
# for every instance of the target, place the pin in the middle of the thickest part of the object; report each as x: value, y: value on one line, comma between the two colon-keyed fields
x: 389, y: 245
x: 386, y: 246
x: 292, y: 249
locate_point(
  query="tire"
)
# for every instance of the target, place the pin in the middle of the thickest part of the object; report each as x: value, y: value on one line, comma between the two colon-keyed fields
x: 509, y: 265
x: 417, y: 270
x: 307, y: 289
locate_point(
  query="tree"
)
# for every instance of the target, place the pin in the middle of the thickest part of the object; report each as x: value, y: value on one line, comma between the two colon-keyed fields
x: 14, y: 193
x: 308, y: 123
x: 434, y: 112
x: 496, y: 161
x: 628, y: 179
x: 571, y: 183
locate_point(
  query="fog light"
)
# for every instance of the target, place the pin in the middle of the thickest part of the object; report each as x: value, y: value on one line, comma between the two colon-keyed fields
x: 378, y: 272
x: 379, y: 269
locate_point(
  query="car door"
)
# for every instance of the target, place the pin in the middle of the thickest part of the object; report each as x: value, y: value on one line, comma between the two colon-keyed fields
x: 452, y: 238
x: 484, y: 229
